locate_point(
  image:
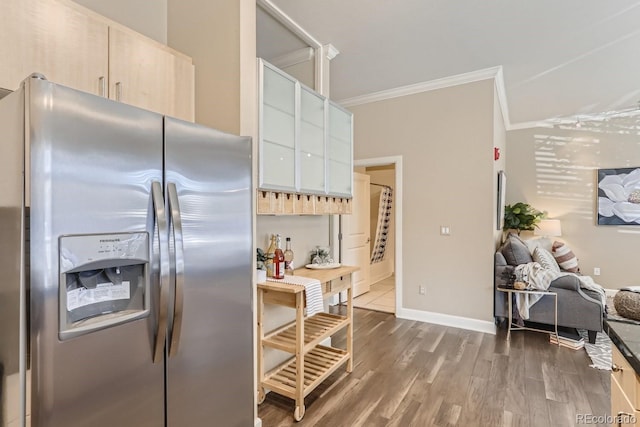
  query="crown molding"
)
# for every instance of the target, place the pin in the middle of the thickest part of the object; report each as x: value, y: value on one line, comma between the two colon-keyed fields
x: 289, y: 23
x: 330, y: 51
x: 292, y: 58
x: 494, y: 73
x: 473, y: 76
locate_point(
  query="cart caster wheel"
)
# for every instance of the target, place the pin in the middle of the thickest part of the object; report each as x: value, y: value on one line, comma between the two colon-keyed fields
x: 261, y: 396
x: 298, y: 413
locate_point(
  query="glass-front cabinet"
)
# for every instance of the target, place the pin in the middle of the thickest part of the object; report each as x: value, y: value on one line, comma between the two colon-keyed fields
x: 340, y: 149
x: 277, y: 130
x: 312, y: 142
x: 306, y: 141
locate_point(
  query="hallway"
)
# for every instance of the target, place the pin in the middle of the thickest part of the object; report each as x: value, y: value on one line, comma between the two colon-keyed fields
x: 381, y: 297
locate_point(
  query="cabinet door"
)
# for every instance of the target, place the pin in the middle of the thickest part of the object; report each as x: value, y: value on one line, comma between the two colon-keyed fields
x: 277, y: 130
x: 54, y: 39
x: 622, y: 410
x: 140, y: 71
x: 339, y: 150
x: 312, y: 142
x: 183, y: 96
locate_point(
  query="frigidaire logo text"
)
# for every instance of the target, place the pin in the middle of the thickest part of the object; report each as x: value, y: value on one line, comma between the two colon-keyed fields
x: 109, y: 240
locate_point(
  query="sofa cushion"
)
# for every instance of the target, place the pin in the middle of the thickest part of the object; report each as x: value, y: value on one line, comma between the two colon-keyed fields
x: 545, y: 259
x: 565, y: 257
x: 515, y: 251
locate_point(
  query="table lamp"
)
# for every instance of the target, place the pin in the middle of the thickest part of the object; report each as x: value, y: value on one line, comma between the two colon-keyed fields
x: 548, y: 228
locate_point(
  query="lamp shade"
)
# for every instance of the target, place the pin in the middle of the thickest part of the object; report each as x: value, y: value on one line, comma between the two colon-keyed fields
x: 549, y: 228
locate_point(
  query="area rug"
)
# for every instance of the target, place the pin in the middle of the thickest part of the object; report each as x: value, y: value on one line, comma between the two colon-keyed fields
x: 600, y: 352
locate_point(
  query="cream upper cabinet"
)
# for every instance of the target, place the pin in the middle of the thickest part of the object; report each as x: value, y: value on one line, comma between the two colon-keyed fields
x: 76, y: 47
x: 140, y: 73
x: 340, y: 150
x: 306, y: 141
x: 53, y: 39
x: 147, y: 74
x: 183, y: 99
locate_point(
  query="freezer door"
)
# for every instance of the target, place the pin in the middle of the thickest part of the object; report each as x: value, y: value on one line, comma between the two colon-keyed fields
x: 210, y: 367
x: 12, y: 285
x: 93, y: 164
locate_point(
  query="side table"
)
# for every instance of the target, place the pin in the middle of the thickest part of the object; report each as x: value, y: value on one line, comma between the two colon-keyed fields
x: 515, y: 327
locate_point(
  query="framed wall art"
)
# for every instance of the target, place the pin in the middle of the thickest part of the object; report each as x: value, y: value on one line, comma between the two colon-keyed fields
x: 618, y: 200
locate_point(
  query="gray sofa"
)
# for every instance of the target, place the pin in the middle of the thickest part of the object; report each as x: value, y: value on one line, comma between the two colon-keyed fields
x: 577, y: 308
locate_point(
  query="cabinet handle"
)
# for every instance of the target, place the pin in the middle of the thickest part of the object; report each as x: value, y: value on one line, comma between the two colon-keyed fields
x: 118, y: 91
x: 101, y: 83
x: 616, y: 368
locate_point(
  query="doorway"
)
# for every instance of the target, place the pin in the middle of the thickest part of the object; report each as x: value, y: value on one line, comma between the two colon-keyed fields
x: 385, y: 272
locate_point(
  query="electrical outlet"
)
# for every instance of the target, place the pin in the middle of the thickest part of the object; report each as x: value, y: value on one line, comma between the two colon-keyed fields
x: 422, y: 290
x: 445, y: 230
x: 596, y: 271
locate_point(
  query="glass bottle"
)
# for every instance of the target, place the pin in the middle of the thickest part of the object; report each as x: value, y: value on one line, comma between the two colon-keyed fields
x: 278, y: 260
x: 270, y: 253
x: 288, y: 257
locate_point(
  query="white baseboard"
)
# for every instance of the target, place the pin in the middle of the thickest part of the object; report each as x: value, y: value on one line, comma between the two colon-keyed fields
x: 258, y: 423
x: 447, y: 320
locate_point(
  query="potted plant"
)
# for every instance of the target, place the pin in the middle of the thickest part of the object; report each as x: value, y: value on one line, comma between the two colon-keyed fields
x: 261, y: 268
x: 521, y: 216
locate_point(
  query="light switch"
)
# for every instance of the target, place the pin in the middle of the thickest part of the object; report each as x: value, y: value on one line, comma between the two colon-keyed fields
x: 445, y: 230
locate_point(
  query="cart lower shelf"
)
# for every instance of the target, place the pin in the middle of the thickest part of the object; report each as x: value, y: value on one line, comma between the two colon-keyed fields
x: 319, y: 363
x: 316, y: 328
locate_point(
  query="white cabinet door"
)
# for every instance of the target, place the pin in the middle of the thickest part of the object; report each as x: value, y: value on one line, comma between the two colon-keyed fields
x: 277, y: 129
x: 312, y: 142
x: 54, y: 39
x: 340, y: 151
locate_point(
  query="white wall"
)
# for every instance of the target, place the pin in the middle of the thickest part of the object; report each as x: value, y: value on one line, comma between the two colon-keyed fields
x: 148, y: 17
x: 446, y: 138
x: 554, y: 169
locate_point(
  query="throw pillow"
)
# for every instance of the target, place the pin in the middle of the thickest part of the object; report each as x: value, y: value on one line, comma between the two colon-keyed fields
x: 545, y: 259
x: 565, y: 258
x: 515, y: 251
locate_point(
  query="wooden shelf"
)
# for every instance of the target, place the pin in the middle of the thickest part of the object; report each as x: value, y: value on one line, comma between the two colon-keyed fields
x: 319, y: 363
x: 270, y: 202
x: 316, y: 329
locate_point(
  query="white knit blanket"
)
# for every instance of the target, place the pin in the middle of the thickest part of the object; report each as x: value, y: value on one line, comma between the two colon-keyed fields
x: 539, y: 278
x: 312, y: 291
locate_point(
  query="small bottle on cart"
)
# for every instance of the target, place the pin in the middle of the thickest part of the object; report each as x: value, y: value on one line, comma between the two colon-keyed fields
x: 288, y: 257
x: 278, y: 260
x: 271, y: 250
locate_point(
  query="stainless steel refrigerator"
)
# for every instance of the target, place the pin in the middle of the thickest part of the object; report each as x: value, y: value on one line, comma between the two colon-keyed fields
x: 126, y: 257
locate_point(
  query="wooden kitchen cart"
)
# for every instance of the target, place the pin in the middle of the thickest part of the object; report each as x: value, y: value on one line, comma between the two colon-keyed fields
x: 312, y: 362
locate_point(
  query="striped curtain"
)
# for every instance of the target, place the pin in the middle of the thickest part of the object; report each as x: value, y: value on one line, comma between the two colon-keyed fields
x: 382, y: 230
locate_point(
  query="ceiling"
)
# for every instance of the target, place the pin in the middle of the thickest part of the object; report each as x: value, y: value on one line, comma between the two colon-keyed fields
x: 559, y: 58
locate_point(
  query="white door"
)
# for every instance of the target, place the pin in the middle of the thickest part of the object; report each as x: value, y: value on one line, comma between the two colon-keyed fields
x: 356, y: 234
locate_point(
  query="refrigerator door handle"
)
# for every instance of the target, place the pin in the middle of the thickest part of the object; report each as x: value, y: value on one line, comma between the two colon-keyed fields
x: 176, y: 221
x: 161, y: 221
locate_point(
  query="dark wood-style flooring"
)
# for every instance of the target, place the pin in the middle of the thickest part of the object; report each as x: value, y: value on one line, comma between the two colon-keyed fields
x: 409, y: 373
